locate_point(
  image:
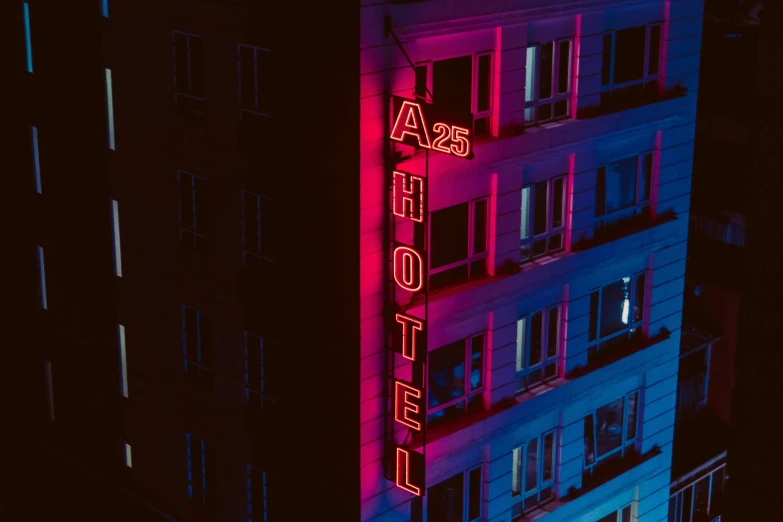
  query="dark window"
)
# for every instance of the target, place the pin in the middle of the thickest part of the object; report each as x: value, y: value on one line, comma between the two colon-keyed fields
x: 458, y: 243
x: 197, y: 347
x: 457, y: 499
x: 193, y: 212
x: 616, y: 313
x: 629, y: 54
x: 420, y: 89
x: 610, y: 432
x: 255, y: 79
x: 456, y: 379
x: 532, y: 476
x: 547, y: 81
x: 451, y: 83
x: 631, y: 60
x: 543, y: 218
x: 623, y: 188
x: 262, y: 496
x: 538, y: 347
x: 257, y: 242
x: 261, y: 387
x: 654, y: 52
x: 188, y: 73
x: 201, y: 470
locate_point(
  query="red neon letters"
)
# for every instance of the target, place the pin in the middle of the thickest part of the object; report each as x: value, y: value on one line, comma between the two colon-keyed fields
x: 408, y: 268
x: 407, y: 402
x: 408, y: 196
x: 404, y: 472
x: 410, y: 121
x: 410, y: 326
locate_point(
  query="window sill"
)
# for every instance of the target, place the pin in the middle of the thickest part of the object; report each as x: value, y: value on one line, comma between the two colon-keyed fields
x: 622, y: 467
x: 595, y: 111
x: 621, y: 229
x: 609, y: 356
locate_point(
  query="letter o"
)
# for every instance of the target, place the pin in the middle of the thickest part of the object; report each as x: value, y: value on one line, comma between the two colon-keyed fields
x: 408, y: 269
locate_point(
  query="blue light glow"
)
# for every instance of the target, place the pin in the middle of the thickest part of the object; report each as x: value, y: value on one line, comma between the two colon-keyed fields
x: 105, y: 8
x: 36, y: 159
x: 28, y: 40
x: 110, y: 108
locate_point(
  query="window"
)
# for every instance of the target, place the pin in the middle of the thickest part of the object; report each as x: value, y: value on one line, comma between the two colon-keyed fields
x: 700, y: 501
x: 115, y: 232
x: 610, y: 433
x: 127, y: 456
x: 105, y: 8
x: 621, y: 515
x: 456, y: 380
x: 201, y: 466
x: 458, y: 244
x: 258, y: 388
x: 255, y: 81
x: 543, y: 218
x: 630, y: 64
x: 256, y: 244
x: 533, y: 473
x: 109, y: 108
x: 188, y: 73
x: 193, y: 212
x: 462, y: 85
x: 28, y: 42
x: 49, y: 390
x: 197, y: 347
x: 616, y: 313
x: 36, y: 158
x: 41, y: 277
x: 457, y: 499
x: 623, y: 188
x: 692, y: 382
x: 259, y: 485
x: 548, y: 81
x: 538, y: 347
x: 123, y: 363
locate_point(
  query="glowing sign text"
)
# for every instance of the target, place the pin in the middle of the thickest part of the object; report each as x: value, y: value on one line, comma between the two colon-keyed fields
x: 410, y: 467
x: 408, y: 268
x: 408, y: 405
x: 408, y: 336
x: 423, y: 125
x: 408, y: 196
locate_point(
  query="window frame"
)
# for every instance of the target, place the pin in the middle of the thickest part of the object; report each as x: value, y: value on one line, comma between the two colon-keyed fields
x: 683, y: 412
x: 634, y: 327
x: 266, y: 480
x: 42, y: 295
x: 204, y: 374
x: 519, y: 494
x: 646, y: 76
x: 198, y: 492
x: 641, y: 205
x: 678, y: 497
x: 523, y: 367
x: 471, y: 258
x: 186, y: 92
x: 535, y: 102
x: 250, y: 109
x: 465, y: 494
x: 618, y: 514
x: 193, y: 231
x: 249, y: 256
x: 529, y: 220
x: 468, y: 394
x: 262, y: 394
x: 628, y: 446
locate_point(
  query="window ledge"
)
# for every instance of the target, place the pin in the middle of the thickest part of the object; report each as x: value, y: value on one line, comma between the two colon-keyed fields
x: 609, y: 356
x: 594, y: 111
x: 623, y: 467
x: 621, y: 229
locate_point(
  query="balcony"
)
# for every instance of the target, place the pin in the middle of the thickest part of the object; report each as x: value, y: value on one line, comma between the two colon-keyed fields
x: 630, y: 97
x: 729, y: 228
x: 620, y: 229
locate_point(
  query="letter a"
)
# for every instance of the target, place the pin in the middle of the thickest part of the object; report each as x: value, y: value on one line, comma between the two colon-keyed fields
x: 410, y: 122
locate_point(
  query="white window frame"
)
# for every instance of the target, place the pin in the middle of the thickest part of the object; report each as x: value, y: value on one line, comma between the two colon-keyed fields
x: 127, y: 455
x: 641, y: 204
x: 627, y: 444
x: 193, y: 228
x: 266, y: 479
x: 109, y: 107
x: 115, y: 231
x: 679, y: 497
x: 42, y: 277
x: 194, y: 363
x: 471, y: 257
x: 467, y: 364
x: 646, y: 77
x: 519, y: 470
x: 523, y: 367
x: 185, y: 91
x: 527, y: 221
x: 36, y: 158
x: 256, y: 253
x: 466, y: 494
x: 593, y: 346
x: 532, y: 101
x: 123, y: 363
x: 618, y: 514
x: 249, y: 108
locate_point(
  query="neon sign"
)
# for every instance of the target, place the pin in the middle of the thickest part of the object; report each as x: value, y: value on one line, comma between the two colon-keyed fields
x: 409, y: 338
x: 408, y: 405
x: 410, y: 471
x: 408, y: 269
x: 422, y: 125
x: 408, y: 196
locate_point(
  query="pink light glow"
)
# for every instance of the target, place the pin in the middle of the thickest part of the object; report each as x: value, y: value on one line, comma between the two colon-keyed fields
x: 575, y: 67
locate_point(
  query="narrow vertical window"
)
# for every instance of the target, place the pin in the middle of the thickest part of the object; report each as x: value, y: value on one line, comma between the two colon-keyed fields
x: 36, y: 158
x: 41, y: 277
x: 27, y: 38
x: 127, y: 455
x: 483, y: 94
x: 516, y: 466
x: 105, y: 8
x: 115, y: 230
x: 200, y: 466
x: 474, y: 494
x: 109, y: 108
x: 49, y: 390
x: 122, y: 360
x: 654, y: 53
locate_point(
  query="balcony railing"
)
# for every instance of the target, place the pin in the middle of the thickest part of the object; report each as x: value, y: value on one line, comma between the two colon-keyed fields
x: 623, y: 228
x: 730, y: 233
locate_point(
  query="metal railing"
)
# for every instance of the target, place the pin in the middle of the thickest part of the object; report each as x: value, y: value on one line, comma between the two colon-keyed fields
x: 730, y: 233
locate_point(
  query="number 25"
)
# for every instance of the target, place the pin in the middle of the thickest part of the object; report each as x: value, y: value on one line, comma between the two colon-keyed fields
x: 460, y: 145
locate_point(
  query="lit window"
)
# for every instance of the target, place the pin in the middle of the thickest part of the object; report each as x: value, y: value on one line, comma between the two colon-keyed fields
x: 456, y: 380
x: 538, y: 347
x: 623, y: 189
x: 543, y: 218
x: 621, y: 515
x: 533, y: 473
x: 36, y: 158
x: 259, y: 388
x: 610, y: 433
x: 188, y: 74
x: 616, y: 313
x: 457, y: 499
x: 49, y: 390
x: 197, y: 347
x: 105, y: 8
x: 200, y: 460
x: 41, y: 277
x: 193, y: 212
x: 261, y: 495
x: 122, y: 359
x: 702, y: 499
x: 458, y: 243
x: 548, y: 81
x: 257, y: 245
x: 630, y: 65
x: 115, y: 230
x: 27, y: 38
x: 127, y: 455
x: 109, y: 108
